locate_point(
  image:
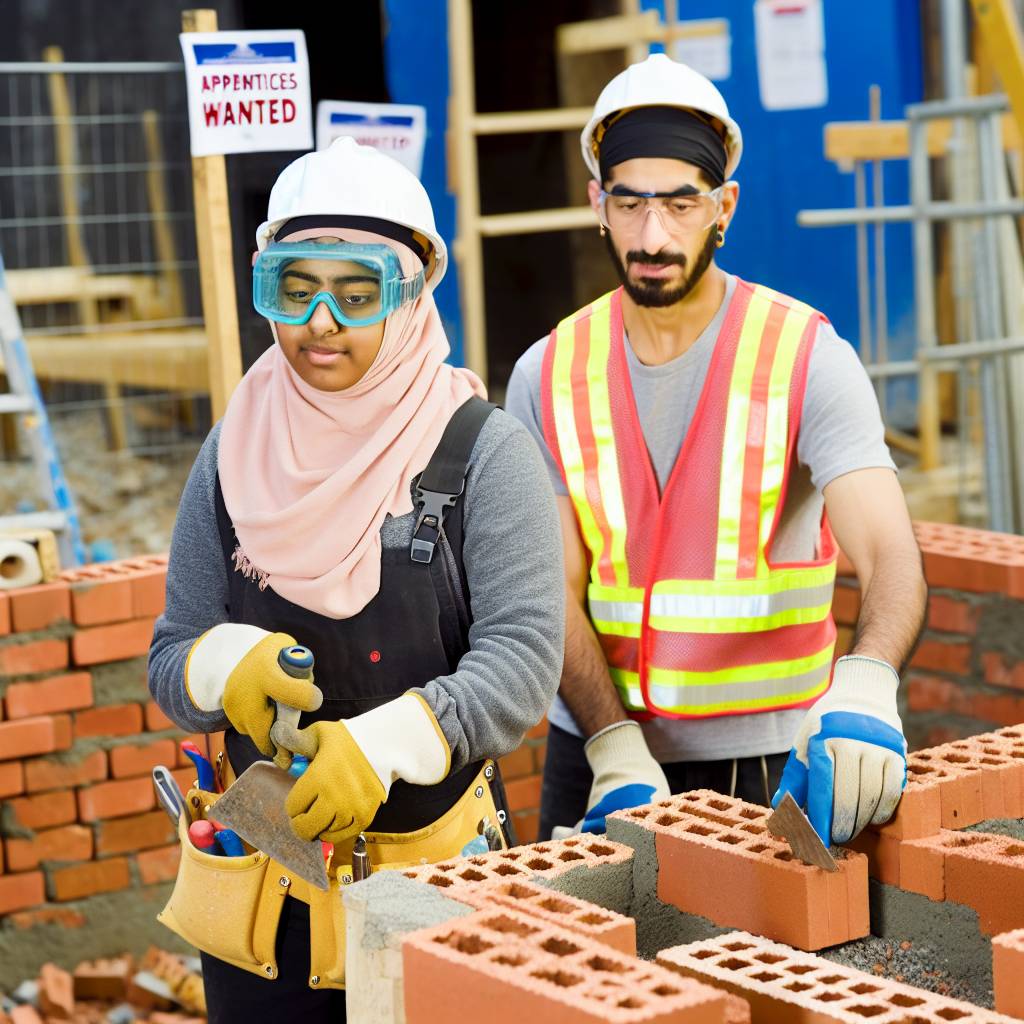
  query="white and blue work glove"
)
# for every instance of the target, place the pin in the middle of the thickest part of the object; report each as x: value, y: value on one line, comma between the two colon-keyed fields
x: 848, y: 764
x: 625, y: 775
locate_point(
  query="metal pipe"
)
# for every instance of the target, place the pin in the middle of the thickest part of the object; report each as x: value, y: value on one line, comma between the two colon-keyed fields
x: 968, y: 106
x: 941, y: 210
x: 881, y: 286
x: 863, y: 272
x: 88, y: 68
x: 954, y: 50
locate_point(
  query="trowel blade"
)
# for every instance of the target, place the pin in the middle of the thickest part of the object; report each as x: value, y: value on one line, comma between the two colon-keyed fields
x: 789, y: 822
x: 254, y: 807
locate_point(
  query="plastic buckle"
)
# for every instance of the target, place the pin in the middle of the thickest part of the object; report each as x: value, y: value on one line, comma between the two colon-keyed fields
x: 432, y: 506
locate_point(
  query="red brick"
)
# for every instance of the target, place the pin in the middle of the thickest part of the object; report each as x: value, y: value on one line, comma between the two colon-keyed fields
x: 100, y: 594
x: 156, y: 720
x: 112, y: 643
x: 115, y: 799
x: 139, y: 832
x: 88, y: 879
x: 930, y: 693
x: 69, y: 692
x: 1000, y: 672
x: 113, y: 720
x: 45, y: 810
x: 64, y: 916
x: 923, y: 867
x: 1008, y: 973
x: 919, y: 813
x: 56, y: 993
x: 12, y: 779
x: 29, y: 736
x: 42, y: 773
x: 952, y: 615
x: 527, y: 825
x: 517, y: 764
x: 943, y: 657
x: 159, y: 865
x: 69, y: 843
x: 539, y: 731
x: 39, y: 607
x: 149, y: 592
x: 20, y: 891
x: 5, y: 614
x: 34, y: 657
x: 846, y: 604
x: 141, y: 759
x: 185, y: 777
x: 883, y: 854
x: 523, y: 794
x: 989, y: 877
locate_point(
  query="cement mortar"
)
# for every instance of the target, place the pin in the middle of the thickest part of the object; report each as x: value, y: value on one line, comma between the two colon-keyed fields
x: 999, y: 627
x: 393, y: 905
x: 1010, y: 827
x: 120, y: 682
x: 115, y: 923
x: 608, y: 885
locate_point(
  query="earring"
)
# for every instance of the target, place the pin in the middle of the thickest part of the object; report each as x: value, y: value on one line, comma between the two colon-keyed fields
x: 601, y: 227
x: 720, y: 238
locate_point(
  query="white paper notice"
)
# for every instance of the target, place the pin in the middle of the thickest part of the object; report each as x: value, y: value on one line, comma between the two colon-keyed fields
x: 396, y: 129
x: 791, y: 54
x: 248, y: 92
x: 706, y: 45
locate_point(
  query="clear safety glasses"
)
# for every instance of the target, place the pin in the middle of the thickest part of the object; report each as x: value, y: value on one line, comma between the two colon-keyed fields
x: 360, y: 284
x: 680, y: 213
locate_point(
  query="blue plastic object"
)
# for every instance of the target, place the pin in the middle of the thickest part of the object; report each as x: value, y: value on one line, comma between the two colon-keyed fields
x: 633, y: 795
x: 103, y: 551
x: 229, y: 842
x: 298, y: 766
x: 204, y: 770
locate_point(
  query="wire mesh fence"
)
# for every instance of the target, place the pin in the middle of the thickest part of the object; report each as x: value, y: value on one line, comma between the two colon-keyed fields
x: 97, y: 233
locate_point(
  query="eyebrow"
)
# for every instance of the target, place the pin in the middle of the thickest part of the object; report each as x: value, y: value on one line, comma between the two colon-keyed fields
x: 334, y: 280
x: 683, y: 190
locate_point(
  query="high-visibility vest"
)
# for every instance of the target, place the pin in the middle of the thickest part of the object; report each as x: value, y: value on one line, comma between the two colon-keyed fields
x: 694, y: 617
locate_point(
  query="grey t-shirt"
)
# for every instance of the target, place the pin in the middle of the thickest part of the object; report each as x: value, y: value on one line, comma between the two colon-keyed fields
x: 840, y: 431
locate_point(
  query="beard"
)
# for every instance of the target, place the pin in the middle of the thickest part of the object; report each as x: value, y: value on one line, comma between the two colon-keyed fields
x: 655, y: 292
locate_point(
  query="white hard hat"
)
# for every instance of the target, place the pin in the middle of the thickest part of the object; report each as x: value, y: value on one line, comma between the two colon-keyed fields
x: 659, y: 81
x: 350, y: 180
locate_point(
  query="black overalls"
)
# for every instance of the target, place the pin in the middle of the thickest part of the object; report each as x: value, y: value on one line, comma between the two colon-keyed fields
x: 414, y: 630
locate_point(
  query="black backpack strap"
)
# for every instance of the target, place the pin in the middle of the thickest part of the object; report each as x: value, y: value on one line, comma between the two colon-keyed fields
x: 444, y: 479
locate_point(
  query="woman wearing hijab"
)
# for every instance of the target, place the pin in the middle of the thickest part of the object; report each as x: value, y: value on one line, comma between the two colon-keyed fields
x: 435, y: 619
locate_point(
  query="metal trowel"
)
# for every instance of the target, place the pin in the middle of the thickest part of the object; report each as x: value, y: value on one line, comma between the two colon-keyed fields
x: 791, y: 824
x: 254, y: 805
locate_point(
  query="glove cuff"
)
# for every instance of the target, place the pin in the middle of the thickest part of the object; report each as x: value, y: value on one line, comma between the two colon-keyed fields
x: 214, y: 656
x: 402, y: 740
x: 855, y: 672
x: 615, y: 745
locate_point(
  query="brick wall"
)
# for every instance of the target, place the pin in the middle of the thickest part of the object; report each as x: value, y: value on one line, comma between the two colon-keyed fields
x: 79, y: 735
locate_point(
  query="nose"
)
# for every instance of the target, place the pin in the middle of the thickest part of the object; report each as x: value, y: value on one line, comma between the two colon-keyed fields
x: 322, y: 321
x: 653, y: 236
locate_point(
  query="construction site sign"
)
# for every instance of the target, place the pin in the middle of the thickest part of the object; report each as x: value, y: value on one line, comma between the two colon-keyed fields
x: 396, y: 129
x: 248, y: 92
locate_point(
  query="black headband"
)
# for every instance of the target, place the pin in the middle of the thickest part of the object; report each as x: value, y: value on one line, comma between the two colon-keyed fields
x: 396, y: 232
x: 663, y: 132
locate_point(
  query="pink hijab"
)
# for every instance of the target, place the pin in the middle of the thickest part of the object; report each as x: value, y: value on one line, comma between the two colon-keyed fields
x: 308, y: 476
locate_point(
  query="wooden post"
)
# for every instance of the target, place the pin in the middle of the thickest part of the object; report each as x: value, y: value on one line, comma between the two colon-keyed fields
x: 171, y: 297
x: 997, y: 22
x: 216, y: 268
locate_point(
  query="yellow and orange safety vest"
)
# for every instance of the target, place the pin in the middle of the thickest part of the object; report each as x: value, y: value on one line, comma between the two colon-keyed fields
x: 694, y: 617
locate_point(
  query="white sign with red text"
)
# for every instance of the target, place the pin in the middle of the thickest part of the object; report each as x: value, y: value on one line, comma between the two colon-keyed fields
x: 248, y: 92
x: 400, y: 130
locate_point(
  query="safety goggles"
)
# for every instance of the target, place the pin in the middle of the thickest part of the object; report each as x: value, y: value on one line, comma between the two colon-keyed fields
x: 360, y: 284
x: 680, y: 213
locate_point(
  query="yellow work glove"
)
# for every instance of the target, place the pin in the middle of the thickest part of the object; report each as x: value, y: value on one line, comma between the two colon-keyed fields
x: 352, y: 765
x: 234, y: 667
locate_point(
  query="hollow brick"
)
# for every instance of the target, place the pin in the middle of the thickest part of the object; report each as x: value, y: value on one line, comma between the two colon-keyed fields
x: 1008, y: 972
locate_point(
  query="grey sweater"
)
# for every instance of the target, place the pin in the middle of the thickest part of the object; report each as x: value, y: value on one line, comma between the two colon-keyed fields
x: 512, y: 553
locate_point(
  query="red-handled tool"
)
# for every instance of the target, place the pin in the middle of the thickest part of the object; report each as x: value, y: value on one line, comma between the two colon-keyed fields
x: 201, y: 835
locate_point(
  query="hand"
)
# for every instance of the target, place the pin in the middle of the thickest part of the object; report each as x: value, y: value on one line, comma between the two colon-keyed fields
x: 848, y: 764
x: 625, y: 774
x: 352, y: 765
x: 234, y: 666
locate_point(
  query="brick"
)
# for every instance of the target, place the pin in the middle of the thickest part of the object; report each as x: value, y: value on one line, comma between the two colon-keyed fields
x: 952, y: 615
x: 160, y: 865
x: 943, y: 656
x: 42, y: 773
x: 882, y: 852
x: 103, y: 979
x: 12, y: 779
x: 1000, y: 672
x: 539, y: 731
x: 69, y: 843
x: 56, y: 994
x: 517, y: 764
x: 523, y: 794
x: 701, y: 835
x: 81, y: 880
x: 463, y: 969
x: 100, y: 594
x: 39, y: 607
x: 20, y: 891
x: 26, y: 1014
x: 149, y: 592
x: 112, y: 720
x: 527, y: 825
x: 846, y: 604
x: 115, y: 799
x: 44, y: 811
x: 585, y: 919
x: 29, y: 736
x: 34, y: 657
x: 141, y: 759
x: 156, y: 720
x: 26, y: 920
x: 781, y: 984
x: 1008, y: 973
x: 137, y: 832
x: 5, y: 614
x: 919, y: 812
x: 70, y: 692
x: 116, y: 642
x: 989, y: 877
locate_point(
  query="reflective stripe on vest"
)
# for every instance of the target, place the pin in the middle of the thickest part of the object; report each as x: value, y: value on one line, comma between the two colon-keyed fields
x: 682, y: 592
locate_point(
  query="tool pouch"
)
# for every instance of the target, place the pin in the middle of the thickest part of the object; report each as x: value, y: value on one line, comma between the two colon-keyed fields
x: 229, y: 907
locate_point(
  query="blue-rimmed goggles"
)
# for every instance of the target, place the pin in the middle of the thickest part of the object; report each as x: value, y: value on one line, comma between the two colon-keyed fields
x: 360, y: 284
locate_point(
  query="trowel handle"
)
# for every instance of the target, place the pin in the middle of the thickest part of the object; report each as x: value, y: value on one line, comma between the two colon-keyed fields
x: 297, y: 661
